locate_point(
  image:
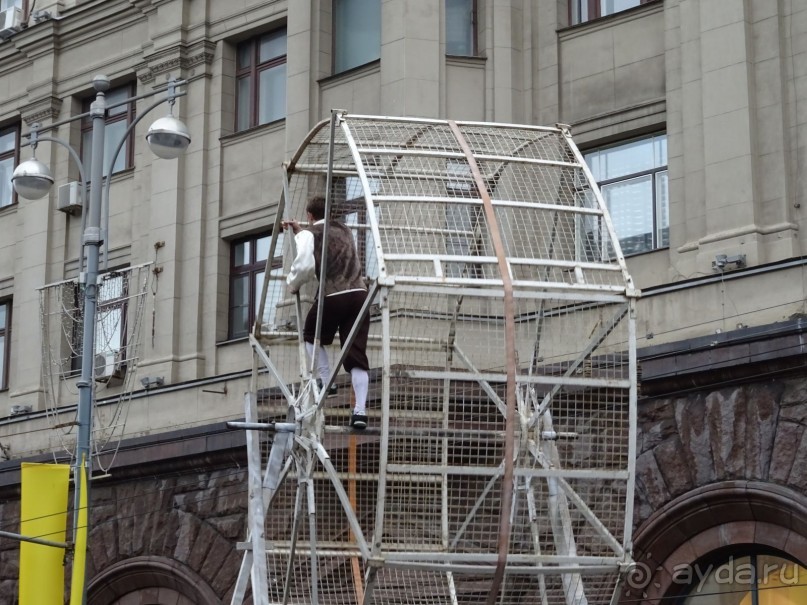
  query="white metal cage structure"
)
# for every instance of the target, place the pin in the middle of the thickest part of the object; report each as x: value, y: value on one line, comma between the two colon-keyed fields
x: 498, y: 466
x: 118, y: 338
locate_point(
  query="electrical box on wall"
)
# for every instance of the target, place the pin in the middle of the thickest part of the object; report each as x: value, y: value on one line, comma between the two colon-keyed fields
x: 69, y: 198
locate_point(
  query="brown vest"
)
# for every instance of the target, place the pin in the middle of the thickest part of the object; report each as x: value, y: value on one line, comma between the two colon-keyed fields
x: 343, y: 269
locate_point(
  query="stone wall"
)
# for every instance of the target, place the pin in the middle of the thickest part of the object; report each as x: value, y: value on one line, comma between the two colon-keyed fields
x: 718, y: 468
x: 193, y: 520
x: 749, y: 432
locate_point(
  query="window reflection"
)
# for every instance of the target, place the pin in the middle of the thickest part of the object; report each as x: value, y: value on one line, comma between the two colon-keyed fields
x: 8, y: 159
x: 585, y: 10
x: 460, y: 27
x: 356, y: 33
x: 246, y: 283
x: 261, y: 80
x: 117, y: 121
x: 633, y: 180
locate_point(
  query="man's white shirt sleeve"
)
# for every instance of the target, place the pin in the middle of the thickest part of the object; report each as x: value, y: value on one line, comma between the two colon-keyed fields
x: 303, y: 268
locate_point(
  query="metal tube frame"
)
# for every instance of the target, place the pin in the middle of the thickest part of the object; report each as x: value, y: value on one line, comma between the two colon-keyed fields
x: 569, y: 566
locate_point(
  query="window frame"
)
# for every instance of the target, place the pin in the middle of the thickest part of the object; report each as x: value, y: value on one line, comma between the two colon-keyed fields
x: 714, y: 561
x: 116, y: 302
x: 103, y: 305
x: 126, y: 116
x: 14, y: 155
x: 251, y: 269
x: 253, y: 72
x: 5, y: 332
x: 594, y: 10
x: 653, y: 173
x: 474, y: 31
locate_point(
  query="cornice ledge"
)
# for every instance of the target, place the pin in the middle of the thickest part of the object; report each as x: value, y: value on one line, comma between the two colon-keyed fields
x: 47, y: 108
x: 188, y: 57
x: 144, y: 6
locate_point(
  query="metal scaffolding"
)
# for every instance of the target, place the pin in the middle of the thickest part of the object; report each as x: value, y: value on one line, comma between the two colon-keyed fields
x: 498, y: 466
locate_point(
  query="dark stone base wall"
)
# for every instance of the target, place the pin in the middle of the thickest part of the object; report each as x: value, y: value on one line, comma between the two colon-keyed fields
x: 748, y: 432
x: 192, y: 518
x: 719, y: 468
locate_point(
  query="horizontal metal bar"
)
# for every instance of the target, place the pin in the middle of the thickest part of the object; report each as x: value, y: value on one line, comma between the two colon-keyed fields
x: 465, y: 434
x: 128, y: 270
x: 492, y: 557
x: 617, y: 383
x: 321, y: 552
x: 436, y: 122
x: 374, y: 337
x: 475, y: 201
x: 344, y: 170
x: 513, y: 260
x: 424, y: 555
x: 487, y: 471
x: 412, y: 479
x: 443, y: 257
x: 271, y: 427
x: 339, y: 545
x: 40, y: 541
x: 489, y: 157
x: 511, y: 570
x: 519, y: 283
x: 494, y: 293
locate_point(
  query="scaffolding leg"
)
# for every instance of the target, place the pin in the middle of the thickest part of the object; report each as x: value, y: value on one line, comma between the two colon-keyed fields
x: 561, y: 522
x: 260, y: 586
x: 243, y: 579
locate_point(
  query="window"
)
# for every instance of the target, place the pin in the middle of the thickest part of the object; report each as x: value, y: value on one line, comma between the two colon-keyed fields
x: 117, y: 121
x: 111, y: 318
x: 461, y: 27
x: 757, y: 578
x: 5, y: 341
x: 110, y: 325
x: 261, y: 80
x: 248, y: 266
x: 9, y: 158
x: 351, y: 209
x: 633, y: 180
x: 356, y: 33
x: 462, y: 220
x: 586, y: 10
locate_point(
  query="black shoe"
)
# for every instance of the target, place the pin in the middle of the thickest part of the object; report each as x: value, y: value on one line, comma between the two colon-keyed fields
x: 358, y: 421
x: 333, y: 390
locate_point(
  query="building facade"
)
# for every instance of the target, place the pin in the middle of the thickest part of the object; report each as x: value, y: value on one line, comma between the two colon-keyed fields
x: 692, y: 115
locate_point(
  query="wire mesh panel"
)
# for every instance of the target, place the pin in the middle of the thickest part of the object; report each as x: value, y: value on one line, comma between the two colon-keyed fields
x: 498, y: 465
x: 121, y: 298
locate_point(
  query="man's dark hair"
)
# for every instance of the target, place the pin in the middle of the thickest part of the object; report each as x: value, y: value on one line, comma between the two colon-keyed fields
x: 316, y: 206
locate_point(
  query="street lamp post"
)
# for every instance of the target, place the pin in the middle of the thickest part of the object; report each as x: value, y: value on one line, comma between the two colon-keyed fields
x: 168, y: 137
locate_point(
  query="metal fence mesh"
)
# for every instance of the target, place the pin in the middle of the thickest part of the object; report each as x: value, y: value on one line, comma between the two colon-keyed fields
x: 118, y: 338
x: 452, y: 221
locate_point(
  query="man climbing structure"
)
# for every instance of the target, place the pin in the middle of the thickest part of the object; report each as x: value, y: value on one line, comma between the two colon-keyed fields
x: 344, y: 296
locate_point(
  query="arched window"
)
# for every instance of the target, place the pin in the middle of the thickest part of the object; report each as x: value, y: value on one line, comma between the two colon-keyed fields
x: 743, y: 577
x: 150, y: 580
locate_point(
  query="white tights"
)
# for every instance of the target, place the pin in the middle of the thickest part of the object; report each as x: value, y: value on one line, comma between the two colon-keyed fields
x: 358, y: 377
